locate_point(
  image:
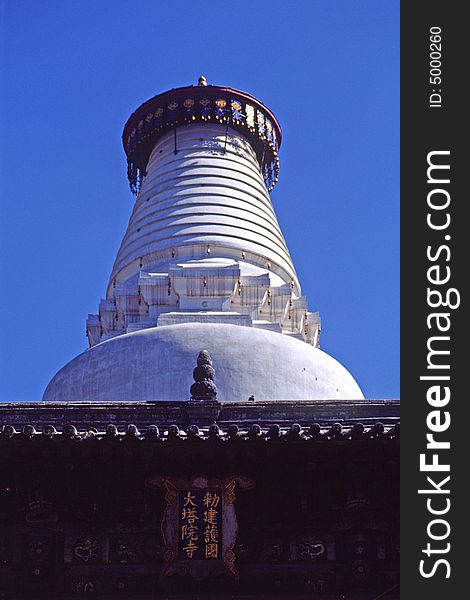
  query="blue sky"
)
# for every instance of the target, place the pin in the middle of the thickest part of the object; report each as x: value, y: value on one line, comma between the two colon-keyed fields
x: 72, y: 72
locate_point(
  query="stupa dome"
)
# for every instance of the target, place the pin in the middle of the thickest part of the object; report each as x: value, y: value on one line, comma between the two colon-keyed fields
x: 157, y: 364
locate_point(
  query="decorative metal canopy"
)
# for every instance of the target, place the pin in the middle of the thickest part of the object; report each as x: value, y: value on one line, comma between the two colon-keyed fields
x: 201, y: 103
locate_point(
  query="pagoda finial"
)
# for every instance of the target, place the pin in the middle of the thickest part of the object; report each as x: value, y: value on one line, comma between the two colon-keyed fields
x: 202, y: 80
x: 204, y: 387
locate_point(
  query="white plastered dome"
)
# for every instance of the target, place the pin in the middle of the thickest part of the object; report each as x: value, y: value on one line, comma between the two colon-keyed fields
x: 156, y: 364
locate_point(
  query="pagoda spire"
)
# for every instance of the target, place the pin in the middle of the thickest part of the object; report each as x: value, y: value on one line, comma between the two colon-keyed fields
x: 203, y: 240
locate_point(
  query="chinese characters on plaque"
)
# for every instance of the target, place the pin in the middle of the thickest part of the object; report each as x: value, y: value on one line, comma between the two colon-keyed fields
x: 200, y: 524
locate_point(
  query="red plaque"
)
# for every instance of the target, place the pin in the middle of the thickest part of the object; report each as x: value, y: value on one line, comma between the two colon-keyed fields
x: 199, y: 524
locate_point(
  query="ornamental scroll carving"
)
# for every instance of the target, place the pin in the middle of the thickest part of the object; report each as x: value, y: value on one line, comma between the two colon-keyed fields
x: 199, y: 524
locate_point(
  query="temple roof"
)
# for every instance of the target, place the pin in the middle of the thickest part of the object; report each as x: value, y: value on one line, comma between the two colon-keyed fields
x: 251, y: 433
x: 85, y: 415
